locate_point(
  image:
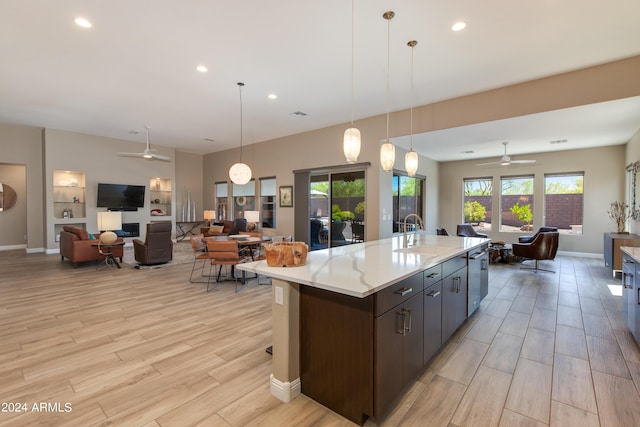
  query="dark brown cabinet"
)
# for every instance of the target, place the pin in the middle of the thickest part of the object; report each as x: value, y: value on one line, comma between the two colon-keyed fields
x: 454, y: 295
x: 359, y: 355
x: 432, y: 321
x: 631, y: 295
x: 398, y: 351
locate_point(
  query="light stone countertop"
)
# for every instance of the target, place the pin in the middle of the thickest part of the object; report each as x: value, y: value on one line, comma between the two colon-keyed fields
x: 363, y: 269
x: 632, y: 252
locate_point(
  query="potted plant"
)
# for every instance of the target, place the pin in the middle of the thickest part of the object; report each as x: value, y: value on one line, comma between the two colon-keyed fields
x: 619, y: 213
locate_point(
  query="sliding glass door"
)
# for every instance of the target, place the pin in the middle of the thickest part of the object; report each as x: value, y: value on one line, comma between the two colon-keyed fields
x: 336, y: 209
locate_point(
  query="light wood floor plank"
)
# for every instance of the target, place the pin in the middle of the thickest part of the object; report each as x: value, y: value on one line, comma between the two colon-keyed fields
x: 147, y: 348
x: 572, y: 383
x: 530, y: 392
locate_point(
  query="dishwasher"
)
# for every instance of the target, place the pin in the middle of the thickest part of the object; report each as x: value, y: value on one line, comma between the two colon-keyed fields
x: 478, y: 278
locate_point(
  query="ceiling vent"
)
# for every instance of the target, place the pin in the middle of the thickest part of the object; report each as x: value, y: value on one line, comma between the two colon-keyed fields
x: 559, y: 141
x: 299, y: 114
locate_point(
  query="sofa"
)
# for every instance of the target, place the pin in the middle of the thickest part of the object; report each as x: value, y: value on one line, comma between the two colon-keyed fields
x: 228, y: 228
x: 76, y: 246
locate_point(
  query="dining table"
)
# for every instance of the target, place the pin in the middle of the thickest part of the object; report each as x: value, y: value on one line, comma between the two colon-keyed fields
x: 251, y: 243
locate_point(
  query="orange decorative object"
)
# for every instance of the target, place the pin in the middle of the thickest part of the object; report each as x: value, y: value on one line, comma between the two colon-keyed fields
x: 286, y: 254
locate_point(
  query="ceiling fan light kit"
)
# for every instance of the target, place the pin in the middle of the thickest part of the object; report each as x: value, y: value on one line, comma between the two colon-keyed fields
x: 148, y: 153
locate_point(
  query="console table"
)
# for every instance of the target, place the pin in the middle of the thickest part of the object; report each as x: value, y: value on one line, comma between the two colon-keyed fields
x: 612, y: 252
x: 186, y: 228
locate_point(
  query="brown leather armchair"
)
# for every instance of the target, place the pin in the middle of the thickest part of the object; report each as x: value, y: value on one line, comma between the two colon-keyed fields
x: 157, y: 247
x: 543, y: 246
x: 467, y: 230
x: 529, y: 239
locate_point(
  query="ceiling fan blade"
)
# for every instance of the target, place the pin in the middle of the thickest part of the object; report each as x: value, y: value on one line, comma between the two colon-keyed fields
x: 161, y: 157
x: 130, y: 154
x: 523, y: 161
x: 487, y: 164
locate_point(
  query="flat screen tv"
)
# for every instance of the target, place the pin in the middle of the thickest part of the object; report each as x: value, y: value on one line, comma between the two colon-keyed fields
x: 120, y: 196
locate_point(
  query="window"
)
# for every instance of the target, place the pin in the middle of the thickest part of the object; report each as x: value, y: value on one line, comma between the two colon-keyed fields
x: 516, y: 203
x: 407, y: 198
x: 268, y: 202
x: 244, y: 198
x: 221, y: 200
x: 477, y: 203
x: 563, y: 202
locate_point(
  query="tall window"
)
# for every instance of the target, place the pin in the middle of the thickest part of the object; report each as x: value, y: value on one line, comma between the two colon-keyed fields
x: 244, y: 198
x: 516, y: 203
x: 407, y: 198
x: 221, y: 200
x: 477, y: 203
x: 268, y: 202
x: 563, y: 202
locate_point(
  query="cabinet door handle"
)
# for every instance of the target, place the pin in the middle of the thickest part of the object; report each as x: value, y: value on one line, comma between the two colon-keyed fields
x: 405, y: 327
x: 625, y: 281
x: 456, y: 284
x: 432, y: 275
x: 404, y: 291
x: 478, y: 255
x: 433, y: 294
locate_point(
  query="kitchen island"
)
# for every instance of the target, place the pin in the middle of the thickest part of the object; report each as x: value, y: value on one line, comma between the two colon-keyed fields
x: 355, y: 326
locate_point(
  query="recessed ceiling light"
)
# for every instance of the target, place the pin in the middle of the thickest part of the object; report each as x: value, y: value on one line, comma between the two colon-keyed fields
x: 202, y: 68
x: 82, y: 22
x: 273, y: 96
x: 458, y: 26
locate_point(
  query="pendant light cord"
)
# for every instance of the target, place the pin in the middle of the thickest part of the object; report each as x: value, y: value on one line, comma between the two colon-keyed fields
x: 412, y: 44
x: 353, y: 13
x: 240, y: 84
x: 388, y: 70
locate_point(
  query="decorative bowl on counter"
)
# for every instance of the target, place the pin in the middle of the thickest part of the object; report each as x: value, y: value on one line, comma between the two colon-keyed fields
x: 286, y: 254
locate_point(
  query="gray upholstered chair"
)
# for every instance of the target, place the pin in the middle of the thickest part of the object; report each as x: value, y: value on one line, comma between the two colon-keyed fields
x: 467, y: 230
x: 529, y: 239
x: 544, y: 246
x: 157, y: 247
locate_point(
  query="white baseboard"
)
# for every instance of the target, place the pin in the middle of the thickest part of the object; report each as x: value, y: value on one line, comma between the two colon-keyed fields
x: 35, y: 250
x: 53, y: 251
x: 285, y: 391
x: 581, y: 254
x: 12, y: 247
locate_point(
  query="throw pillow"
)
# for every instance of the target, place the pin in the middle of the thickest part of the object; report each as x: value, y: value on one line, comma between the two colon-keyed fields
x: 216, y: 229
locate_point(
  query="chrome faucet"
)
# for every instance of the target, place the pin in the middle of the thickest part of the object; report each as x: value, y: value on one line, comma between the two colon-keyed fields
x: 404, y: 233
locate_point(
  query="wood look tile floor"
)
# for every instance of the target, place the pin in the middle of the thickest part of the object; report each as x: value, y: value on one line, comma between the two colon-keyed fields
x: 147, y: 348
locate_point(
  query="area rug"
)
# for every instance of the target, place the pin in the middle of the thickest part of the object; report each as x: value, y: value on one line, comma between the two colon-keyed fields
x: 182, y: 253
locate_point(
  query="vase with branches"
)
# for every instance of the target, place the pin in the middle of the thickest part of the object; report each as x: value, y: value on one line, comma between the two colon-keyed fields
x: 619, y: 213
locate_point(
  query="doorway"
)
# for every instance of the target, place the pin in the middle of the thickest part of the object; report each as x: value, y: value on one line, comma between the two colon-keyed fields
x: 336, y: 209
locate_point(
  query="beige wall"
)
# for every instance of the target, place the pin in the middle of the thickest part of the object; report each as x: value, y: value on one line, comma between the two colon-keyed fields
x: 13, y: 221
x: 604, y: 181
x: 633, y: 155
x: 23, y: 145
x: 188, y: 172
x: 322, y: 147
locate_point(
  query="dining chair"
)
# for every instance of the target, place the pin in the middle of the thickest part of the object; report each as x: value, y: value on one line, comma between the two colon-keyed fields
x: 199, y: 254
x: 225, y: 253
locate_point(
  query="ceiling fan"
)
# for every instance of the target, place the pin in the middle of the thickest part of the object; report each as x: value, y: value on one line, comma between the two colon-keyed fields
x: 148, y: 153
x: 506, y: 159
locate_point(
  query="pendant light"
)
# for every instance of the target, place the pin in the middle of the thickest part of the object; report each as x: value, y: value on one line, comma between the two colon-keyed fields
x: 411, y: 158
x: 351, y: 141
x: 387, y: 149
x: 240, y: 173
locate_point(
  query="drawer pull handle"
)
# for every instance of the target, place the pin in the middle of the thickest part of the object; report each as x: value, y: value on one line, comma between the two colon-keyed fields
x: 434, y: 294
x: 478, y: 255
x: 432, y: 275
x: 404, y: 291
